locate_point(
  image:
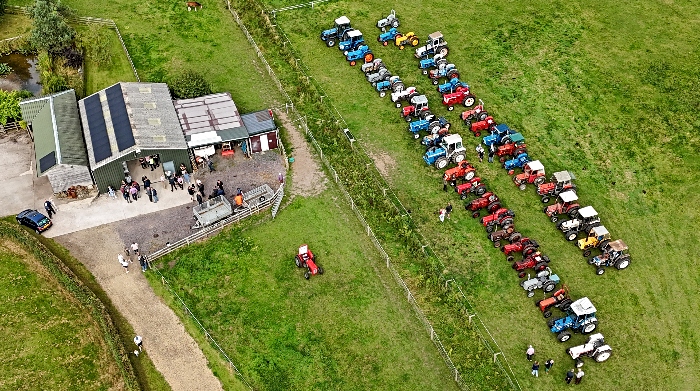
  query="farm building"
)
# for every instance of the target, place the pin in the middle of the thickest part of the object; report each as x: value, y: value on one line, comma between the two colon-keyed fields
x: 209, y: 122
x: 129, y: 121
x: 59, y: 147
x: 262, y: 132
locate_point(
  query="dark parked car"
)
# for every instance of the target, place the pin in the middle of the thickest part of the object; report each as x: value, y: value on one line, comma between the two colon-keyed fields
x: 34, y: 220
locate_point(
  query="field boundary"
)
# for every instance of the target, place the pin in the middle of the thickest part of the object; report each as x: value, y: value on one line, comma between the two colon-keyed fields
x: 301, y: 5
x: 497, y: 352
x: 85, y: 20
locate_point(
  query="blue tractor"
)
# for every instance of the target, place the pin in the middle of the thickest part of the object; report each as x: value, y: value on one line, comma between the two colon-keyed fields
x: 500, y: 134
x: 580, y: 318
x: 430, y: 125
x: 387, y: 85
x: 390, y: 35
x: 517, y: 162
x: 351, y: 40
x: 362, y: 52
x: 450, y: 149
x: 330, y: 36
x: 451, y: 86
x: 436, y: 61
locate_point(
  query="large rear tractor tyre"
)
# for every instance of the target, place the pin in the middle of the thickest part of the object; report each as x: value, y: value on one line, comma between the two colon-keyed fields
x: 469, y: 100
x: 475, y: 214
x: 571, y: 235
x: 296, y: 261
x: 589, y: 328
x: 489, y: 228
x: 530, y: 293
x: 622, y: 263
x: 547, y: 314
x: 457, y: 159
x: 579, y: 363
x: 554, y: 219
x: 545, y: 199
x: 441, y: 163
x: 521, y: 275
x: 522, y: 186
x: 602, y: 356
x: 515, y: 237
x: 510, y: 258
x: 586, y: 253
x: 548, y: 287
x: 600, y: 271
x: 443, y: 51
x: 539, y: 180
x: 330, y: 43
x: 564, y: 336
x: 480, y: 190
x: 320, y: 270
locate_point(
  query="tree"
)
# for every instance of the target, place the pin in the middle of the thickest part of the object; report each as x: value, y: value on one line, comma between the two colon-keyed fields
x: 190, y: 84
x: 9, y: 105
x: 3, y: 3
x: 50, y: 31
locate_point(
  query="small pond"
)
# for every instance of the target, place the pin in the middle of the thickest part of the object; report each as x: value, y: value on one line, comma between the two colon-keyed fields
x: 24, y: 73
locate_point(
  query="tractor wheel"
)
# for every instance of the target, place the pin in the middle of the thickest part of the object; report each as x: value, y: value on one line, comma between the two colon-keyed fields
x: 443, y: 51
x: 622, y: 263
x: 352, y: 63
x: 320, y: 270
x: 494, y: 206
x: 502, y: 159
x: 411, y: 96
x: 490, y: 227
x: 515, y: 237
x: 548, y: 287
x: 565, y: 304
x: 579, y: 363
x: 530, y: 293
x: 506, y: 140
x: 539, y: 180
x: 467, y: 123
x: 440, y: 63
x: 416, y: 135
x: 477, y: 134
x: 441, y: 163
x: 382, y: 94
x: 408, y: 118
x: 469, y: 100
x: 603, y: 243
x: 452, y: 74
x: 529, y: 250
x: 395, y: 23
x: 330, y: 43
x: 546, y: 259
x: 507, y: 222
x: 450, y: 108
x: 479, y: 190
x: 572, y: 212
x: 540, y: 266
x: 414, y: 42
x: 397, y: 104
x: 521, y: 275
x: 544, y: 210
x: 297, y: 262
x: 385, y: 43
x: 571, y: 235
x: 522, y: 186
x: 545, y: 199
x: 519, y: 151
x: 497, y: 244
x: 564, y: 336
x: 458, y: 158
x: 398, y: 87
x: 463, y: 195
x: 425, y: 71
x: 550, y: 323
x: 586, y: 253
x: 510, y: 258
x: 547, y: 314
x: 589, y: 328
x: 401, y: 47
x: 600, y: 271
x: 482, y: 116
x: 602, y: 356
x: 369, y: 57
x: 468, y: 176
x: 435, y: 81
x: 591, y: 260
x: 509, y: 229
x: 560, y: 224
x: 475, y: 214
x: 554, y: 219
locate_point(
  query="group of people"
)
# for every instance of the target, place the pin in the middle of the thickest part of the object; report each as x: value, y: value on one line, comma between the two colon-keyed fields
x: 570, y: 375
x: 480, y: 151
x: 445, y: 212
x: 131, y: 190
x: 153, y: 161
x: 132, y: 249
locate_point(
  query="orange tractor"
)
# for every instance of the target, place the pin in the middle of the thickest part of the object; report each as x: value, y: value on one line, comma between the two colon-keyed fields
x: 464, y: 171
x: 533, y: 172
x: 566, y: 204
x: 560, y: 182
x: 305, y: 258
x: 560, y: 299
x: 488, y: 201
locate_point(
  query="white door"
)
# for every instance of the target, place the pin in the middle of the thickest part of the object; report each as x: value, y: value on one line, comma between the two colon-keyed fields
x: 263, y: 143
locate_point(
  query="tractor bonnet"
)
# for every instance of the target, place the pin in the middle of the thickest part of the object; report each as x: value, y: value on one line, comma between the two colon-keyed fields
x: 535, y: 165
x: 342, y: 20
x: 568, y: 196
x: 583, y: 306
x: 587, y: 212
x: 562, y: 176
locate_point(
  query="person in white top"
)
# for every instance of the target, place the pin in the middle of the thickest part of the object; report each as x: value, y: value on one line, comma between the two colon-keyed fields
x: 139, y: 342
x: 530, y: 352
x: 123, y: 262
x: 135, y: 248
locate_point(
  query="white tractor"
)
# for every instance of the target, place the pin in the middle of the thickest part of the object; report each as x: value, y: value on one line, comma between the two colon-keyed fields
x: 545, y: 280
x: 401, y: 95
x: 390, y: 21
x: 594, y: 348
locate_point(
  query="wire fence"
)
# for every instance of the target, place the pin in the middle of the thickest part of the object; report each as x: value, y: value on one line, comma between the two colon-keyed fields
x: 483, y: 332
x: 302, y: 5
x: 85, y: 20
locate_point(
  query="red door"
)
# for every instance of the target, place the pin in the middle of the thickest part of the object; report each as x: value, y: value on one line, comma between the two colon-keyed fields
x: 255, y: 144
x: 272, y: 140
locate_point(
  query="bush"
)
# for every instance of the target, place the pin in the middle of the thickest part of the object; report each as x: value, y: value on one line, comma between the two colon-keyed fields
x: 50, y: 32
x: 73, y: 57
x: 9, y: 105
x: 95, y: 42
x: 189, y: 84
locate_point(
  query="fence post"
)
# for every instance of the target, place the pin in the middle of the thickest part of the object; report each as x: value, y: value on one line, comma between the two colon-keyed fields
x: 495, y: 355
x: 432, y: 333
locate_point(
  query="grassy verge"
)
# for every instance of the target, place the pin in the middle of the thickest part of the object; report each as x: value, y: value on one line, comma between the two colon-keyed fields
x: 605, y: 114
x: 146, y: 376
x: 346, y: 329
x: 14, y: 25
x: 102, y: 76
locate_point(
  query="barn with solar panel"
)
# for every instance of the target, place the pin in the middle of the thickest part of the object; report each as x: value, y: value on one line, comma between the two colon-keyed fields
x: 58, y: 140
x: 128, y: 121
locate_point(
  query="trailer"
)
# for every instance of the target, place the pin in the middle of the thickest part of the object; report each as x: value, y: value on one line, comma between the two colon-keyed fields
x: 211, y: 211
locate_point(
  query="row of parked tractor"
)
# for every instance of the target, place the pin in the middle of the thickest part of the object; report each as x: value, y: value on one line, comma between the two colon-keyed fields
x: 443, y: 148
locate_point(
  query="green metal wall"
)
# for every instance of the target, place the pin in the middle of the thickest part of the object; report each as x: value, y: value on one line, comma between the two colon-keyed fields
x: 112, y: 173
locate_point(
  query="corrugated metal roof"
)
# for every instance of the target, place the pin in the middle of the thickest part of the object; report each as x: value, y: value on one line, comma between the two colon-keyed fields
x: 258, y: 122
x: 56, y: 126
x: 207, y: 113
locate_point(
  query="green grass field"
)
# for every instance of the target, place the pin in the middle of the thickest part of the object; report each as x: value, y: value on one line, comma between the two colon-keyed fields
x: 349, y: 328
x: 99, y: 76
x: 606, y: 90
x: 14, y: 25
x: 51, y: 340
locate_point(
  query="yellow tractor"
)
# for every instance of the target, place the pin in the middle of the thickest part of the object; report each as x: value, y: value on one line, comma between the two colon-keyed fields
x: 597, y: 238
x: 408, y: 39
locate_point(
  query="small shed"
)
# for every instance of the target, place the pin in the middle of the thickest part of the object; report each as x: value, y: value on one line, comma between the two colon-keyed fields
x: 262, y: 132
x: 128, y: 121
x: 210, y: 121
x: 59, y: 147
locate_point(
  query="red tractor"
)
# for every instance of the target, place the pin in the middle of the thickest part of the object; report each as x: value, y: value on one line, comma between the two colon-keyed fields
x: 502, y: 217
x: 464, y: 171
x: 477, y: 113
x: 497, y: 236
x: 487, y: 123
x: 461, y: 97
x: 488, y: 201
x: 305, y: 258
x: 566, y: 204
x: 560, y: 182
x: 536, y: 261
x: 525, y: 245
x: 473, y: 186
x: 418, y: 108
x: 560, y: 299
x: 533, y: 172
x: 515, y: 147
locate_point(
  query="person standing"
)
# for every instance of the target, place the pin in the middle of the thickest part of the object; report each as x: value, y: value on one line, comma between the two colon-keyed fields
x: 154, y: 192
x: 530, y: 352
x: 569, y: 376
x: 492, y: 151
x: 442, y: 213
x: 536, y: 369
x: 211, y: 166
x: 220, y: 184
x: 112, y: 193
x: 134, y: 192
x: 172, y: 183
x: 444, y: 183
x: 199, y: 198
x: 146, y: 182
x: 135, y: 248
x: 162, y: 180
x: 49, y: 208
x: 579, y: 376
x: 139, y: 342
x: 180, y: 182
x: 190, y: 191
x: 200, y: 187
x: 280, y: 178
x: 125, y: 193
x: 123, y: 262
x: 151, y: 162
x: 143, y: 263
x: 548, y: 365
x: 185, y: 174
x: 480, y: 151
x: 150, y: 194
x: 448, y: 209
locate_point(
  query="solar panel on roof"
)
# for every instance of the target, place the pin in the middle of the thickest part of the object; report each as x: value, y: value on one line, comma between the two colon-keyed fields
x: 120, y: 118
x: 98, y: 129
x: 47, y: 161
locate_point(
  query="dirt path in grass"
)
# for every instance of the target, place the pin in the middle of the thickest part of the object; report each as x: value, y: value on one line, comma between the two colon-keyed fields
x: 173, y: 351
x: 307, y: 177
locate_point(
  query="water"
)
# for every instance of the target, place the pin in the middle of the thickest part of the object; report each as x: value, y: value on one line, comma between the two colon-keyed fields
x: 24, y: 73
